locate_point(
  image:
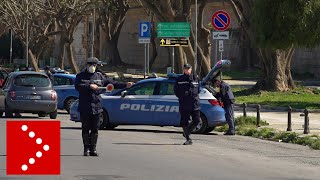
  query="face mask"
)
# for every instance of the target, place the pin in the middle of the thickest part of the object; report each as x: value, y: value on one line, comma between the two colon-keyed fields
x: 92, y: 69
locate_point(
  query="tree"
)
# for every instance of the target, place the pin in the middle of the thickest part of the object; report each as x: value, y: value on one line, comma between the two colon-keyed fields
x: 16, y: 15
x: 277, y: 28
x: 178, y: 11
x: 112, y: 14
x: 68, y: 14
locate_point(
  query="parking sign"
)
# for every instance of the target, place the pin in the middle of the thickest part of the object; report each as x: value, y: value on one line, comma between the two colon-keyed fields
x: 144, y: 30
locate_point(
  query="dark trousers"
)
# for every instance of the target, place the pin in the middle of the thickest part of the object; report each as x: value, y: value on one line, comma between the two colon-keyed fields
x: 90, y: 127
x: 185, y: 121
x: 229, y: 114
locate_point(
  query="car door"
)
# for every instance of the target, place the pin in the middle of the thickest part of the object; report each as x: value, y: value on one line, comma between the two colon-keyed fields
x: 3, y: 90
x: 135, y: 108
x: 64, y: 88
x: 167, y: 110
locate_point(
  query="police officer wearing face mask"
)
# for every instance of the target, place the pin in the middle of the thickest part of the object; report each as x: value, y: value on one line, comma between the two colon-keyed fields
x: 87, y: 83
x: 226, y: 96
x: 187, y: 90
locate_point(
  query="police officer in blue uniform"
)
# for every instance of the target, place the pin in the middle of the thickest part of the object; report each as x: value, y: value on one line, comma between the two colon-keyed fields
x: 87, y: 83
x: 226, y: 96
x: 187, y: 90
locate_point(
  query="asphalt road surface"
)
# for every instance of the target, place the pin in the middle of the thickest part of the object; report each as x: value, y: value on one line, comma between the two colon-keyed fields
x: 144, y: 152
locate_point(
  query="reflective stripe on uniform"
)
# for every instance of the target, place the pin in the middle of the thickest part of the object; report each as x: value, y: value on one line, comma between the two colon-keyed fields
x: 183, y: 82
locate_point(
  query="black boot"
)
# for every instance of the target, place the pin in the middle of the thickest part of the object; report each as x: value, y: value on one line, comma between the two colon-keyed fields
x: 94, y: 139
x: 86, y: 143
x: 186, y: 134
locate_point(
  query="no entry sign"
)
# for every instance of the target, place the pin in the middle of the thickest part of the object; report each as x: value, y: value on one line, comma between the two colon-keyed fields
x: 220, y: 20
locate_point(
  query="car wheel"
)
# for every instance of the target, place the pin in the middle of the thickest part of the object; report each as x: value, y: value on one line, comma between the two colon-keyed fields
x: 105, y: 121
x: 41, y: 115
x: 7, y: 111
x: 209, y: 129
x: 54, y: 115
x: 68, y: 103
x: 202, y: 126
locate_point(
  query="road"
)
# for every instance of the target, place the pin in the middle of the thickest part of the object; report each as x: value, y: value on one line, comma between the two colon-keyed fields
x: 143, y: 152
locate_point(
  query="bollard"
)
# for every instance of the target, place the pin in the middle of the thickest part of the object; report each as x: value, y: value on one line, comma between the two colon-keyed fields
x: 244, y: 109
x: 306, y: 122
x: 258, y: 115
x: 289, y: 119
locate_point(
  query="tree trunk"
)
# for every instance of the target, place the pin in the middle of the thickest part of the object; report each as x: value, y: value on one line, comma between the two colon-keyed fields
x: 72, y: 62
x: 33, y: 61
x: 61, y: 53
x: 111, y: 52
x: 153, y: 43
x: 276, y: 73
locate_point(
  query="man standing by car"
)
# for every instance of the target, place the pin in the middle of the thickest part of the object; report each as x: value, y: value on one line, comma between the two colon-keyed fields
x: 226, y: 96
x: 87, y: 83
x: 48, y: 72
x: 187, y: 90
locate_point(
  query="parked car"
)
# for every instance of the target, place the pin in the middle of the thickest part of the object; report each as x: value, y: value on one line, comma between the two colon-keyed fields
x: 153, y: 102
x: 28, y: 92
x: 63, y: 84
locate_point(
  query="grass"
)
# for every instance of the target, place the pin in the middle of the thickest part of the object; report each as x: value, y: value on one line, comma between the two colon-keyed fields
x: 300, y: 98
x: 245, y: 126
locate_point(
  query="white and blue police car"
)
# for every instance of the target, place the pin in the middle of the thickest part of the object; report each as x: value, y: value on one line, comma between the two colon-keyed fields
x: 153, y: 102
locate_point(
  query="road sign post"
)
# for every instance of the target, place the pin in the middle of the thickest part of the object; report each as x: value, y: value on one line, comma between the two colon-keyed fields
x: 144, y: 38
x: 220, y: 21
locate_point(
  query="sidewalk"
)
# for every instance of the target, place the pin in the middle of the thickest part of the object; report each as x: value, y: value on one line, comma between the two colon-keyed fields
x: 279, y: 119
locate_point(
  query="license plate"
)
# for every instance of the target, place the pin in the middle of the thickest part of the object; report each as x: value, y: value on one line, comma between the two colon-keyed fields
x: 33, y: 97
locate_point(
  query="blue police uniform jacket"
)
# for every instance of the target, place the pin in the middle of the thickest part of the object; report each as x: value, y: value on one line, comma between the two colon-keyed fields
x: 88, y: 98
x: 225, y: 93
x: 187, y: 90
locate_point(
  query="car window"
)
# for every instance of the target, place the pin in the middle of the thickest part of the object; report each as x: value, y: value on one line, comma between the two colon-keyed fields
x: 59, y: 81
x: 33, y: 80
x: 142, y: 89
x: 166, y: 88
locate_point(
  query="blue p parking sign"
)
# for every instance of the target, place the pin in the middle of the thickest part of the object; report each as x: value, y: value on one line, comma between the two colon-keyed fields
x: 144, y: 30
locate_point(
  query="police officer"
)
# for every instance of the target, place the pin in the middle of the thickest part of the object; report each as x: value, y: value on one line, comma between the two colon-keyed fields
x: 226, y: 96
x: 48, y: 72
x: 87, y: 83
x: 187, y: 90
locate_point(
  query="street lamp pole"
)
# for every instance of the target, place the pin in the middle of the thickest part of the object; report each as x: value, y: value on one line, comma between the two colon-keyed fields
x: 27, y: 35
x: 10, y: 46
x: 196, y: 39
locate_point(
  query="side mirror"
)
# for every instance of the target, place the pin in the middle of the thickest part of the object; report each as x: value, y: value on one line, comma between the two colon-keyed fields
x: 124, y: 93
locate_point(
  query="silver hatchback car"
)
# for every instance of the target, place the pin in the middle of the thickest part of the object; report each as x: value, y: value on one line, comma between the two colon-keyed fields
x: 28, y: 92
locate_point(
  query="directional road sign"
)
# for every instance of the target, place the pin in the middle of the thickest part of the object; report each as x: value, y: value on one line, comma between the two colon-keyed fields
x: 173, y: 29
x: 174, y: 42
x: 220, y: 20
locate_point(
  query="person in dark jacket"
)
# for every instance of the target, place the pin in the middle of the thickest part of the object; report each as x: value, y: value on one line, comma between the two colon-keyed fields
x: 48, y: 72
x: 187, y: 90
x: 87, y: 83
x: 226, y: 96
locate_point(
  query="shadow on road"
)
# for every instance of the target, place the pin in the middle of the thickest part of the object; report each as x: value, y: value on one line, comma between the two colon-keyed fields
x: 149, y: 144
x: 147, y: 130
x: 72, y: 128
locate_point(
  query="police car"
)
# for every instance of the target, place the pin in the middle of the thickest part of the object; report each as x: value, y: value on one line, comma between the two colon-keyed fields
x: 63, y: 84
x: 153, y: 102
